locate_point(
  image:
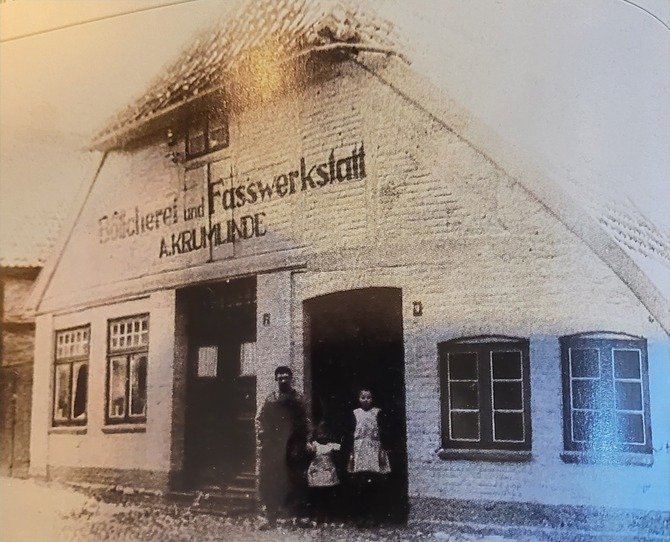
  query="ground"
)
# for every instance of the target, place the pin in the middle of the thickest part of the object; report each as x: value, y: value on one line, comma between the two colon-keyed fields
x: 34, y: 511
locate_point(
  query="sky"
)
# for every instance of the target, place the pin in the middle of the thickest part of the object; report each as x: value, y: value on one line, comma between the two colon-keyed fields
x: 582, y: 89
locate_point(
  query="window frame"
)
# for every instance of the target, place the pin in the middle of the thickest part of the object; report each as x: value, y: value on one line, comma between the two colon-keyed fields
x: 127, y: 354
x: 70, y: 361
x: 484, y: 347
x: 606, y: 392
x: 207, y: 125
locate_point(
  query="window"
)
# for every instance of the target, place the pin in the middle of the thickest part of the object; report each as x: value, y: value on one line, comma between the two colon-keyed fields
x: 485, y: 394
x: 71, y: 376
x: 207, y: 135
x: 128, y: 347
x: 605, y: 394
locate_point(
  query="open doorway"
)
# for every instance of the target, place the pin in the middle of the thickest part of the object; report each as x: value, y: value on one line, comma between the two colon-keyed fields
x: 354, y: 339
x: 219, y: 444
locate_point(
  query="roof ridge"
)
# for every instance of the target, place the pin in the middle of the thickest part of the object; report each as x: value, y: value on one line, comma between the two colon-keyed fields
x: 290, y: 26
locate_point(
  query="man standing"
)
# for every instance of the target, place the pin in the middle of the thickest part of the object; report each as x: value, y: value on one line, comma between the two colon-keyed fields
x: 283, y: 430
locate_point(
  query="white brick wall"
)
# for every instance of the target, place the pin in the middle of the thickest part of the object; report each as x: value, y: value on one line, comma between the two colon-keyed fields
x: 434, y: 217
x: 66, y: 446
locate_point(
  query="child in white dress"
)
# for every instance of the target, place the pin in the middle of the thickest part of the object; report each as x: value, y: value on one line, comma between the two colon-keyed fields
x: 369, y: 461
x: 322, y: 476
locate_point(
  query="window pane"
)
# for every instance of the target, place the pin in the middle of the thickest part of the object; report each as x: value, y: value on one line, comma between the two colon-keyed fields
x: 628, y: 395
x: 71, y: 343
x: 196, y: 140
x: 465, y: 425
x: 464, y: 395
x: 507, y: 396
x: 218, y: 134
x: 129, y: 333
x: 506, y: 365
x: 508, y: 426
x: 630, y: 428
x: 117, y: 387
x: 583, y: 425
x: 80, y: 383
x: 138, y: 385
x: 62, y: 392
x: 626, y: 364
x: 584, y: 363
x: 463, y: 366
x: 585, y: 394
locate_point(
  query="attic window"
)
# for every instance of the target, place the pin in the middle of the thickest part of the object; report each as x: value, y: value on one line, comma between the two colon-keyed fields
x: 207, y: 135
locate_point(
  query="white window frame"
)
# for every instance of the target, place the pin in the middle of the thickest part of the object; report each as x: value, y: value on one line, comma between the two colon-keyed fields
x: 71, y: 353
x: 128, y: 347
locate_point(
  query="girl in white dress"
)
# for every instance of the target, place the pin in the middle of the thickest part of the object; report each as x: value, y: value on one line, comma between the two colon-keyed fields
x: 369, y: 461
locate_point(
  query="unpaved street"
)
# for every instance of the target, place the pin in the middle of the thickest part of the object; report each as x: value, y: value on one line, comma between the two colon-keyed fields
x: 33, y: 511
x: 38, y: 512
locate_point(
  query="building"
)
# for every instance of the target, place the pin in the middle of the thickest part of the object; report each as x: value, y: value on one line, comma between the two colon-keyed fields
x: 31, y: 214
x: 16, y: 368
x: 292, y: 192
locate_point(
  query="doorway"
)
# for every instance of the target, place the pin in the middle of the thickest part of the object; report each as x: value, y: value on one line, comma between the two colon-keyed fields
x: 354, y: 339
x: 219, y: 444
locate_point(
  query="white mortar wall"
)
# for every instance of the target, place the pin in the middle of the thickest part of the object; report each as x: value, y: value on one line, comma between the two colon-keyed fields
x: 273, y: 340
x: 135, y: 446
x: 434, y: 217
x: 40, y: 419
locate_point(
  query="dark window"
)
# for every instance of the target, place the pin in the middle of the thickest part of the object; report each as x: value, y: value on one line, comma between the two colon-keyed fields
x: 605, y: 393
x: 207, y: 135
x: 485, y: 394
x: 127, y: 350
x: 71, y: 376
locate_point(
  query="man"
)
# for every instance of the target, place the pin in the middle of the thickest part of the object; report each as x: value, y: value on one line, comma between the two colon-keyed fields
x: 283, y: 430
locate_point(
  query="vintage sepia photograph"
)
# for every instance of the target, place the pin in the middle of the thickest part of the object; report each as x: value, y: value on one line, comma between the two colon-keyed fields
x: 349, y: 270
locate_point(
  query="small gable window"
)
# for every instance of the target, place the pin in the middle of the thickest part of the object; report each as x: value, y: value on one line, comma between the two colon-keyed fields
x: 206, y: 135
x: 605, y: 395
x: 485, y: 394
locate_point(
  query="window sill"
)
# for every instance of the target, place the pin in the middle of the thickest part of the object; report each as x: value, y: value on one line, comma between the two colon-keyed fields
x: 514, y: 456
x: 68, y: 430
x: 616, y: 458
x: 125, y: 428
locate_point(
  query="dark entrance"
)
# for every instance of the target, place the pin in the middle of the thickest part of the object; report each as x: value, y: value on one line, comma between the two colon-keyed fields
x: 220, y: 442
x: 355, y: 339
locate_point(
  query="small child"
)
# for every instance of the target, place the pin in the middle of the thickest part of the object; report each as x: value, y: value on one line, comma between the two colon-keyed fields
x: 322, y: 475
x: 369, y: 461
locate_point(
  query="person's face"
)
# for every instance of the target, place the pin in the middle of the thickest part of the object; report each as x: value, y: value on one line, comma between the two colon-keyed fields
x: 284, y: 382
x: 365, y: 399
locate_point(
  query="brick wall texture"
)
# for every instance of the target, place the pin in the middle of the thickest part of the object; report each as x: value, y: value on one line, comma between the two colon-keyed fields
x: 433, y: 216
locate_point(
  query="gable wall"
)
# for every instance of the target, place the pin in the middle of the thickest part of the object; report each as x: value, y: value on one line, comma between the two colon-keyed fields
x: 434, y: 217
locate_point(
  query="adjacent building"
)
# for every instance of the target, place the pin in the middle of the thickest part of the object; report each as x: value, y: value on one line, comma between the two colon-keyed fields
x: 34, y: 198
x: 292, y: 192
x: 16, y: 368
